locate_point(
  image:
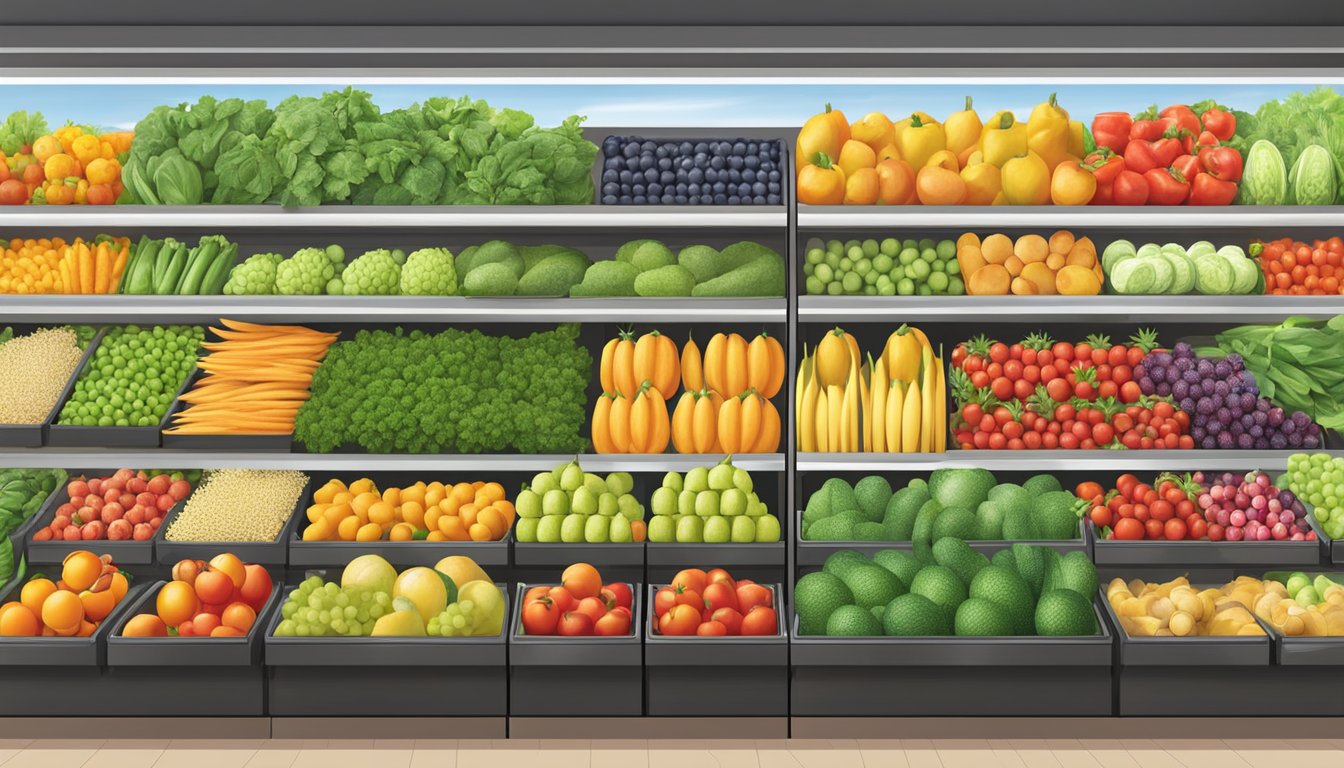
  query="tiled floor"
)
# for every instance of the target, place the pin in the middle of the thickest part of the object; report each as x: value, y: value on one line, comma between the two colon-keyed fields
x: 904, y: 753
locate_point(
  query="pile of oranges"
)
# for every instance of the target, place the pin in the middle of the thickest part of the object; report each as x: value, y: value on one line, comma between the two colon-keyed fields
x: 219, y: 598
x: 34, y: 265
x: 425, y: 511
x: 66, y: 167
x: 89, y: 589
x: 1294, y: 267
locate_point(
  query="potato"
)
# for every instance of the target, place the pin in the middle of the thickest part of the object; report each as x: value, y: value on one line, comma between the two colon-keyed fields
x: 970, y: 259
x: 1055, y: 260
x: 968, y: 239
x: 1314, y: 624
x: 1142, y: 626
x: 1062, y: 242
x: 989, y: 280
x: 1031, y: 248
x: 1021, y: 286
x: 1136, y: 606
x: 1181, y: 624
x: 1014, y: 265
x: 1042, y: 276
x: 996, y: 248
x: 1161, y: 608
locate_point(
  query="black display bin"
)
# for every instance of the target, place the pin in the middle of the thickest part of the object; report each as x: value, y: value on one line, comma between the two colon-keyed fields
x: 1193, y: 676
x: 68, y: 436
x: 386, y: 676
x: 124, y: 552
x: 951, y: 676
x: 814, y: 553
x: 255, y: 443
x: 576, y: 676
x: 35, y: 435
x: 529, y: 554
x: 146, y: 672
x: 1146, y: 553
x: 58, y: 676
x: 716, y: 676
x: 272, y: 554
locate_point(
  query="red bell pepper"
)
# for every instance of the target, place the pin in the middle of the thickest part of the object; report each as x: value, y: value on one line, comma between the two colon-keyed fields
x: 1111, y: 130
x: 1220, y: 123
x: 1183, y: 117
x: 1166, y: 150
x: 1223, y: 163
x: 1130, y: 188
x: 1208, y: 190
x: 1105, y: 165
x: 1166, y: 186
x: 1140, y: 157
x: 1148, y: 126
x: 1188, y: 165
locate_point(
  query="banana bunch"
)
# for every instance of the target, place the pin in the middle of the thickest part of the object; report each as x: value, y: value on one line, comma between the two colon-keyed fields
x: 894, y: 404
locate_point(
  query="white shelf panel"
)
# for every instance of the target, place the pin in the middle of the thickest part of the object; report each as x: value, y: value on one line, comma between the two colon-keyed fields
x: 1141, y: 309
x: 1065, y: 217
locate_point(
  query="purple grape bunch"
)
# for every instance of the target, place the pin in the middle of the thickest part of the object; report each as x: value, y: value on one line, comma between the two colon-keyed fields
x: 1224, y: 402
x: 1250, y: 508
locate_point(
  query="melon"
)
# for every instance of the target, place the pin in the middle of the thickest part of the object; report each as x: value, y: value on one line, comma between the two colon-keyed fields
x: 370, y: 571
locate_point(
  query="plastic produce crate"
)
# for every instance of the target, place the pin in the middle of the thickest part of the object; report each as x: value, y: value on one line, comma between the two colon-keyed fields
x: 146, y: 672
x: 67, y: 436
x: 274, y: 553
x: 36, y: 435
x: 814, y: 553
x: 1192, y: 676
x: 714, y: 676
x: 386, y: 676
x: 527, y: 554
x: 951, y: 676
x: 124, y: 552
x: 1214, y: 554
x: 58, y: 676
x: 257, y: 443
x: 576, y: 676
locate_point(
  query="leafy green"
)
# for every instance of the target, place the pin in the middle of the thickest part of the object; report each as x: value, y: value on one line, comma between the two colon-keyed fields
x: 21, y: 128
x: 1303, y: 118
x: 1299, y: 364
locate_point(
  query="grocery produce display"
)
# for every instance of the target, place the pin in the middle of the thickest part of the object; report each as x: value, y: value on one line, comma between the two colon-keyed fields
x: 171, y: 268
x: 581, y: 604
x: 89, y: 588
x: 891, y: 267
x: 22, y: 494
x: 453, y: 391
x: 34, y: 368
x: 713, y: 604
x: 72, y: 165
x: 453, y: 599
x: 1318, y: 479
x: 133, y: 376
x: 1172, y: 269
x: 53, y: 266
x: 571, y: 506
x: 894, y: 404
x: 475, y: 511
x: 640, y: 171
x: 713, y: 505
x: 1032, y: 265
x: 1177, y: 609
x: 1294, y: 267
x: 951, y: 590
x: 1291, y: 150
x: 124, y: 505
x: 221, y: 597
x: 967, y: 504
x: 1299, y: 605
x: 211, y: 512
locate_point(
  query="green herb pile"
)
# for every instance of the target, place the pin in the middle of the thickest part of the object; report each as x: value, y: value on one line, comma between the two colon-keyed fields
x: 22, y: 492
x: 450, y: 392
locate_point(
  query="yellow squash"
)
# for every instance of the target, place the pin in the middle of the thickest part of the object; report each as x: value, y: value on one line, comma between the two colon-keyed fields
x: 1048, y: 132
x: 1002, y: 139
x: 963, y: 129
x: 1026, y: 180
x: 919, y: 140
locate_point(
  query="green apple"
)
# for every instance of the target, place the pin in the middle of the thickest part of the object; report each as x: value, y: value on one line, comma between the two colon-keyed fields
x: 721, y: 477
x: 742, y: 480
x: 527, y: 528
x: 608, y: 505
x: 744, y: 530
x: 686, y: 502
x: 619, y: 530
x: 767, y: 529
x: 1296, y: 582
x: 732, y: 503
x: 595, y: 530
x: 528, y: 503
x: 571, y: 530
x: 584, y: 502
x: 632, y: 509
x: 697, y: 480
x: 664, y: 501
x: 620, y: 483
x: 555, y: 502
x: 690, y: 530
x: 672, y: 480
x: 594, y: 483
x: 571, y: 477
x: 662, y: 529
x: 717, y: 530
x: 548, y: 528
x: 707, y: 503
x: 543, y: 482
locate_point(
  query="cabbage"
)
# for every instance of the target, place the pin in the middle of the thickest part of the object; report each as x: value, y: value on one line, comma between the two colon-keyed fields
x: 1264, y: 181
x: 1133, y: 276
x: 1213, y: 275
x: 1162, y: 273
x: 1149, y: 250
x: 1183, y: 272
x: 1200, y: 248
x: 1115, y: 253
x: 1312, y: 179
x: 1245, y: 272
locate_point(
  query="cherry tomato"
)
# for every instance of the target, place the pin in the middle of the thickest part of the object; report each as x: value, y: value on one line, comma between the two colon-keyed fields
x: 711, y: 629
x: 1101, y: 516
x: 1162, y: 510
x: 1175, y: 529
x: 1153, y: 529
x: 1199, y: 527
x: 1088, y: 490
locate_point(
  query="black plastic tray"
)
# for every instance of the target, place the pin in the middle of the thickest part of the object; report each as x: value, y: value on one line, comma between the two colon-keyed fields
x: 814, y: 553
x: 769, y: 555
x: 951, y: 676
x: 1226, y: 554
x: 716, y: 676
x: 35, y: 435
x: 269, y: 553
x: 576, y: 676
x: 186, y: 651
x: 257, y: 443
x: 65, y: 436
x: 124, y: 552
x: 561, y: 554
x: 386, y: 676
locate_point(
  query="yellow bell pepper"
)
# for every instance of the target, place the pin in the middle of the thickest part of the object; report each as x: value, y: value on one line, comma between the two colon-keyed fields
x: 1026, y: 180
x: 963, y: 129
x: 874, y: 129
x: 920, y: 140
x: 1002, y: 139
x: 854, y: 155
x: 1076, y: 147
x: 820, y: 182
x: 982, y: 183
x: 944, y: 158
x: 899, y: 127
x: 1048, y: 132
x: 826, y: 133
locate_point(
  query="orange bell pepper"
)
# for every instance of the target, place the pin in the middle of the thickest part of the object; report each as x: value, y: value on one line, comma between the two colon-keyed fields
x: 826, y: 133
x: 820, y: 182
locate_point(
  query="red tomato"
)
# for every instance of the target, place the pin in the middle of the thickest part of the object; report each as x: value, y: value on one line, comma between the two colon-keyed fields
x: 1153, y: 529
x: 1059, y: 390
x: 13, y: 192
x: 1101, y: 516
x: 682, y: 620
x: 720, y: 595
x: 1162, y: 510
x: 540, y: 616
x: 689, y: 597
x: 1130, y: 188
x: 582, y: 580
x: 257, y: 586
x: 574, y: 624
x: 213, y: 586
x: 592, y: 607
x: 663, y: 600
x: 1128, y: 529
x: 564, y: 599
x: 998, y: 352
x: 719, y: 574
x: 1199, y: 527
x: 760, y: 621
x: 1002, y: 388
x: 711, y: 629
x: 1062, y: 351
x: 730, y: 619
x: 1088, y: 490
x: 693, y: 579
x: 204, y: 623
x: 752, y: 595
x: 613, y: 624
x: 620, y: 593
x: 1175, y: 529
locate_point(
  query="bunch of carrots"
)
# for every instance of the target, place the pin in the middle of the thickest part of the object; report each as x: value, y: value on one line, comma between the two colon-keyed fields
x: 51, y: 265
x: 256, y: 377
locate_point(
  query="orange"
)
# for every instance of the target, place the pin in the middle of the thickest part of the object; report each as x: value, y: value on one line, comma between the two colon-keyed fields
x: 176, y: 603
x: 86, y: 629
x: 382, y: 512
x: 468, y: 514
x: 401, y: 532
x: 347, y: 528
x: 226, y: 631
x: 412, y: 512
x: 392, y: 496
x: 464, y: 492
x: 35, y: 593
x: 240, y: 616
x: 481, y: 532
x: 493, y: 520
x: 145, y: 625
x: 453, y: 528
x: 17, y: 621
x: 63, y: 612
x: 80, y: 570
x: 98, y: 604
x: 493, y: 491
x: 369, y: 532
x: 231, y: 565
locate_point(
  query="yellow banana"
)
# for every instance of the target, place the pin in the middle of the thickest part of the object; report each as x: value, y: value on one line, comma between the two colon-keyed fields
x: 822, y: 419
x: 876, y: 415
x: 895, y: 410
x: 940, y: 409
x: 807, y: 413
x: 835, y: 415
x: 910, y: 417
x: 846, y: 405
x: 930, y: 392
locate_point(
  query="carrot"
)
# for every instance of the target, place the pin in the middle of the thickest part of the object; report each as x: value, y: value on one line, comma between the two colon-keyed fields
x: 239, y: 325
x: 102, y: 269
x: 86, y: 268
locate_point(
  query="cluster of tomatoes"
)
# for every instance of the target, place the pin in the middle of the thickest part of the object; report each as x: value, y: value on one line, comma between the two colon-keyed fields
x: 1172, y: 157
x: 714, y: 604
x: 1293, y: 267
x: 580, y: 605
x: 126, y: 505
x: 219, y: 598
x: 1050, y: 394
x: 1134, y: 510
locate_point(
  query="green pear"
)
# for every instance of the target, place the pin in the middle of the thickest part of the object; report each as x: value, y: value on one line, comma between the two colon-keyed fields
x: 721, y: 477
x: 707, y: 503
x: 662, y: 529
x: 697, y: 480
x: 571, y: 478
x: 555, y: 502
x: 718, y: 530
x: 632, y: 509
x: 594, y: 483
x: 618, y: 531
x: 767, y: 529
x: 690, y: 530
x: 608, y: 505
x: 543, y: 482
x: 548, y: 528
x: 527, y: 528
x: 528, y: 504
x: 732, y: 503
x: 571, y: 531
x: 596, y: 530
x: 686, y: 502
x: 584, y: 502
x: 664, y: 501
x: 672, y: 480
x: 744, y: 530
x: 742, y: 480
x: 620, y: 483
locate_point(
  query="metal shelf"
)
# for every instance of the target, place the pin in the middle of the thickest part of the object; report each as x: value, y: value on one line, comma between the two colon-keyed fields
x: 382, y: 309
x: 360, y: 462
x: 1056, y: 460
x: 1017, y: 217
x: 890, y: 309
x: 353, y: 217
